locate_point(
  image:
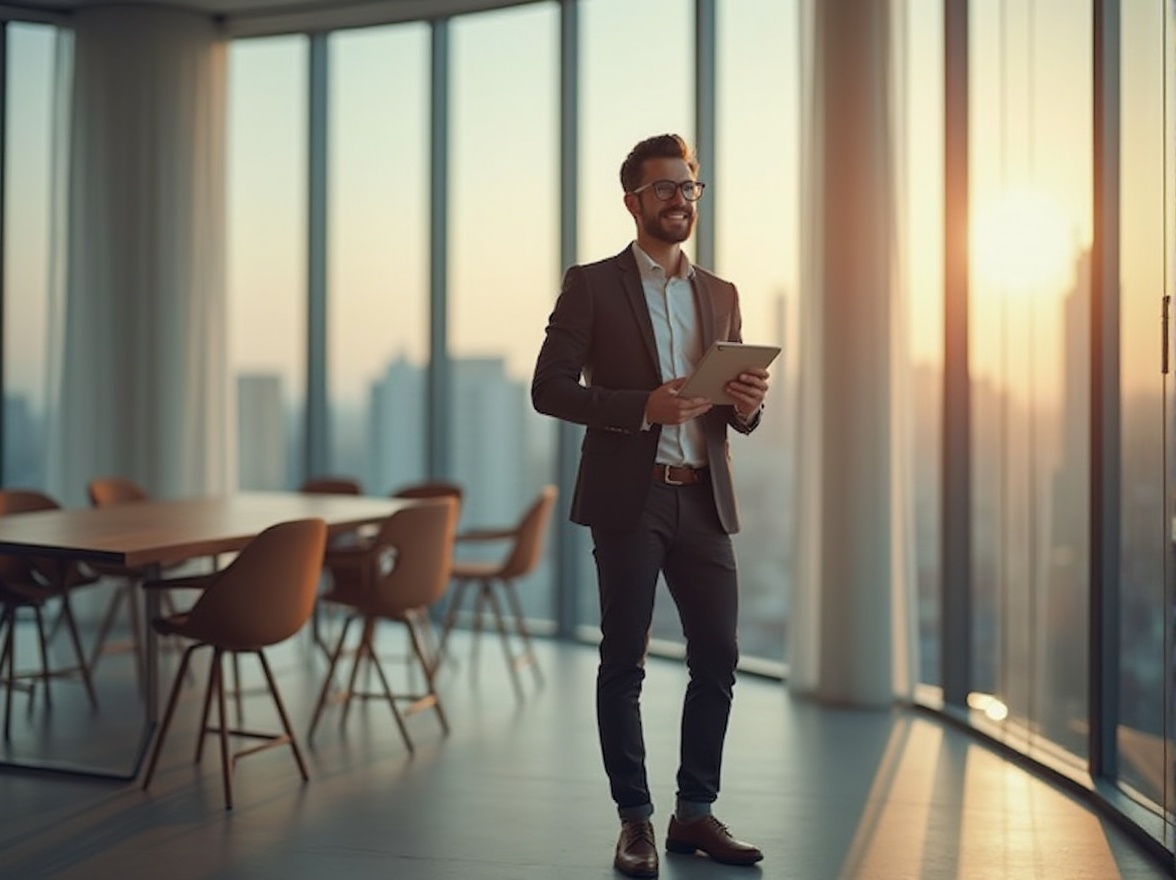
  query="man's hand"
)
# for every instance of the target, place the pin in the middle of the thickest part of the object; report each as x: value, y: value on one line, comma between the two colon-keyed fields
x: 665, y: 407
x: 748, y: 389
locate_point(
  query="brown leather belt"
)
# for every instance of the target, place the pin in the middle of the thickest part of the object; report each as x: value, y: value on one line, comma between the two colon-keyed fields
x: 672, y: 475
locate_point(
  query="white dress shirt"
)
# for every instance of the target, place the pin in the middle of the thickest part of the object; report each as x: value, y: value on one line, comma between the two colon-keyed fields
x: 679, y: 347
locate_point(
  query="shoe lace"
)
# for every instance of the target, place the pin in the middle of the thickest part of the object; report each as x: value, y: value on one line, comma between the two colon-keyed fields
x: 719, y: 826
x: 640, y: 831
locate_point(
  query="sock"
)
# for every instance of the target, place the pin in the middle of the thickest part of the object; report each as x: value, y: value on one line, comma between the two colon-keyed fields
x: 691, y: 811
x: 638, y: 812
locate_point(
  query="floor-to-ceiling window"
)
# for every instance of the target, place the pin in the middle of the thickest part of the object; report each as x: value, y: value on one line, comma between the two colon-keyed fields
x: 755, y: 199
x: 1145, y: 641
x: 377, y: 256
x: 28, y: 215
x: 503, y: 248
x: 919, y: 178
x: 267, y: 222
x: 1030, y: 192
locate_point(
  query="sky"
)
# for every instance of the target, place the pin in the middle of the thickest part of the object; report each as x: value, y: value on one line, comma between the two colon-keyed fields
x: 1030, y: 134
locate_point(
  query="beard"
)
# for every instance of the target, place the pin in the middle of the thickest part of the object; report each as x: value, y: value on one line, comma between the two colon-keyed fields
x: 653, y: 226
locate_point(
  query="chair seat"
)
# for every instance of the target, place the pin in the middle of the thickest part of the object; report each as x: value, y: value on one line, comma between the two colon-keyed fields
x: 476, y: 569
x: 365, y: 604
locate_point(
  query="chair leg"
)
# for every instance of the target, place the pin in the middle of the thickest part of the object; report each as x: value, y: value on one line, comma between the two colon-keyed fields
x: 7, y: 667
x: 362, y: 652
x: 516, y: 609
x: 326, y: 689
x: 107, y: 623
x: 168, y: 713
x: 223, y: 728
x: 83, y: 666
x: 413, y: 622
x: 370, y: 649
x: 204, y: 729
x: 46, y: 672
x: 500, y: 623
x: 238, y: 697
x: 459, y: 591
x: 273, y: 688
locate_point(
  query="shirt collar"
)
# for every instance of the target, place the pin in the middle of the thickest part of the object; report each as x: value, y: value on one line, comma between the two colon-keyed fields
x: 650, y: 269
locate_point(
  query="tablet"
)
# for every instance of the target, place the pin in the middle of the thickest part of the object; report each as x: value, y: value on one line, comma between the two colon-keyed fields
x: 722, y: 362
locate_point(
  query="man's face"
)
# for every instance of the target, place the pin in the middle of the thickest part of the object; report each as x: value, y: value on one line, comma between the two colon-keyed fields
x: 671, y: 220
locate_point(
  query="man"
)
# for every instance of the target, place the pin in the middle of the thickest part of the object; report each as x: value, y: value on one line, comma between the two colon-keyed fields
x: 655, y: 488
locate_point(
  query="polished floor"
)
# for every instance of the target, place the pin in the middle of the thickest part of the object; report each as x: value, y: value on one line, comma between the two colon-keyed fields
x: 516, y: 792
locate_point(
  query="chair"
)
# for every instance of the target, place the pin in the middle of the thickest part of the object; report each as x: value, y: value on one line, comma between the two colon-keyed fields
x: 112, y: 492
x: 29, y: 583
x: 525, y: 548
x: 328, y: 485
x: 396, y: 577
x: 262, y: 598
x: 432, y: 489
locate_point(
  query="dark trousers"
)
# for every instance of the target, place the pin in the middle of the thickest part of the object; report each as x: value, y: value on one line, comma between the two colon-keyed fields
x: 679, y: 535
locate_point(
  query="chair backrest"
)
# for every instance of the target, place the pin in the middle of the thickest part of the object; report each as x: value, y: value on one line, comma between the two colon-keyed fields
x: 25, y: 501
x: 111, y: 491
x: 413, y: 553
x: 326, y: 485
x: 20, y: 569
x: 267, y: 593
x: 529, y: 536
x: 430, y: 489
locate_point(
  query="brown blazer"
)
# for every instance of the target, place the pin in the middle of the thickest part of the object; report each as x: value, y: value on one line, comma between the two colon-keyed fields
x: 600, y: 330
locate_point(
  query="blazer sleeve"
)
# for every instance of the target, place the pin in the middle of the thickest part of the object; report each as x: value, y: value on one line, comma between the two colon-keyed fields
x: 562, y: 385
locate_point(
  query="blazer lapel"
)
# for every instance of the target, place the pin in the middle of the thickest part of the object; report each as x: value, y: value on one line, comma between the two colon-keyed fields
x: 631, y: 283
x: 704, y: 310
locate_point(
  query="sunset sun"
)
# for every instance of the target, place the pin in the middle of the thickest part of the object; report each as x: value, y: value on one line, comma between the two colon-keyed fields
x: 1021, y: 241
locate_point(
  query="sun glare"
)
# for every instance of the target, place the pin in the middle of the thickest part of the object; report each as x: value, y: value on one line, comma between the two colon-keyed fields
x: 1020, y: 241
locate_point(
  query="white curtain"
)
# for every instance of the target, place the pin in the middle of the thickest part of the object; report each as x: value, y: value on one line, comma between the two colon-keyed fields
x: 851, y: 638
x: 140, y: 380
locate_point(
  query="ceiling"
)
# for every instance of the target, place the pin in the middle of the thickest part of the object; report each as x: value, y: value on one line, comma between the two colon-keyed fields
x: 254, y: 17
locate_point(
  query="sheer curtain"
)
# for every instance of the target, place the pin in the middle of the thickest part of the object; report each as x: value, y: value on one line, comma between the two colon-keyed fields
x: 140, y: 375
x: 852, y: 642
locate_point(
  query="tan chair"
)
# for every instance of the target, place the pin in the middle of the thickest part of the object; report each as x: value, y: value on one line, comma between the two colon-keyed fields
x: 430, y: 489
x: 525, y: 548
x: 30, y: 583
x: 113, y: 492
x: 328, y: 485
x: 263, y: 597
x: 403, y: 571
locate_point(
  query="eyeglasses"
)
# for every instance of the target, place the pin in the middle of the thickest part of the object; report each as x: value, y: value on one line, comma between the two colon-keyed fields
x: 664, y: 189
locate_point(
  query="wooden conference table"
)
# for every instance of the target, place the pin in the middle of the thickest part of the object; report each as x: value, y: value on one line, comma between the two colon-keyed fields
x: 149, y: 535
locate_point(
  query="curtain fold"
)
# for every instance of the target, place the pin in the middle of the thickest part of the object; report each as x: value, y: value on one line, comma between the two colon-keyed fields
x: 852, y: 642
x: 141, y: 379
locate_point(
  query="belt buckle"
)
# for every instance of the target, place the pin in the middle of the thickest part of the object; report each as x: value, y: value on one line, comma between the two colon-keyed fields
x: 670, y: 481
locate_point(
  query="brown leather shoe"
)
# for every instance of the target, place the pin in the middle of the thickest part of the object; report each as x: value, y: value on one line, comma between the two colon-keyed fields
x: 710, y: 836
x: 636, y: 849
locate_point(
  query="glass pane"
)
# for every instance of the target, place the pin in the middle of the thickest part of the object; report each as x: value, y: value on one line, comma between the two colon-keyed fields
x: 613, y: 117
x: 27, y: 218
x: 756, y: 205
x: 921, y: 270
x: 378, y: 289
x: 1031, y: 225
x: 1144, y: 537
x: 504, y: 245
x: 266, y: 198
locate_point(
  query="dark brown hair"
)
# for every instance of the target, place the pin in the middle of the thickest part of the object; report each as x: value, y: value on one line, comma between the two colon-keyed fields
x: 661, y: 146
